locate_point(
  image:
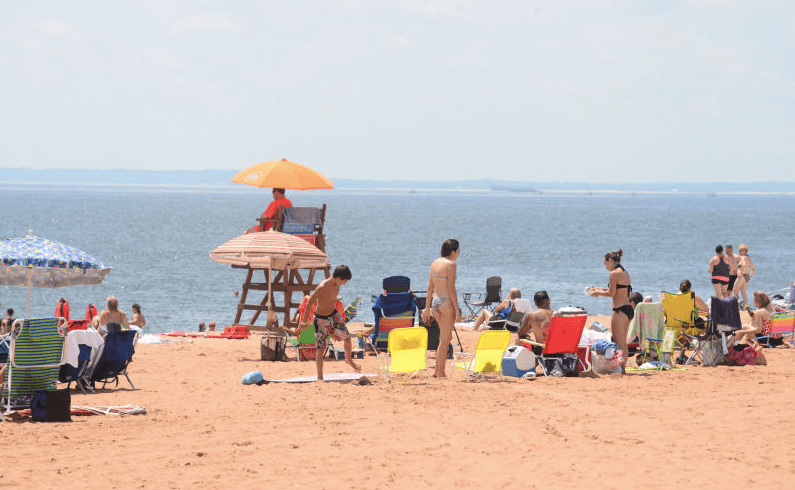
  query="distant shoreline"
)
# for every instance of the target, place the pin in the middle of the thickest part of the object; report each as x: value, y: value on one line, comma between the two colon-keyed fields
x: 537, y: 192
x: 219, y: 179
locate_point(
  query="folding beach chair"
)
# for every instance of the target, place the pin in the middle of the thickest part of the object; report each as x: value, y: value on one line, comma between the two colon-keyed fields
x: 514, y: 320
x: 487, y: 357
x: 648, y: 324
x: 710, y: 347
x: 304, y: 222
x: 487, y: 299
x: 663, y: 347
x: 116, y: 355
x: 563, y: 339
x: 782, y: 325
x: 405, y: 352
x: 681, y: 313
x: 391, y: 311
x: 35, y: 355
x: 82, y: 352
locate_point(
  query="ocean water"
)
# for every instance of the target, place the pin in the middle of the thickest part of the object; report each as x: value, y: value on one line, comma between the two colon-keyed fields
x: 158, y: 239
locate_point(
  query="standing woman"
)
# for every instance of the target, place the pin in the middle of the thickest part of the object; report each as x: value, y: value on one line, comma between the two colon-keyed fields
x: 443, y: 299
x: 746, y: 269
x: 619, y: 289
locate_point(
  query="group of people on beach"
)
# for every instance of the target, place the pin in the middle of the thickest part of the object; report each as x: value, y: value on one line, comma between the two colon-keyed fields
x: 730, y: 275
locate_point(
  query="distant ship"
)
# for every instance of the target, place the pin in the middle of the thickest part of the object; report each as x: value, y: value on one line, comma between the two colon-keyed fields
x: 512, y: 189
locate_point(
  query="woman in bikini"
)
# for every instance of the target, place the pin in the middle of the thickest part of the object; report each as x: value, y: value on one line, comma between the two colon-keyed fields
x: 619, y: 289
x: 745, y: 269
x: 443, y: 299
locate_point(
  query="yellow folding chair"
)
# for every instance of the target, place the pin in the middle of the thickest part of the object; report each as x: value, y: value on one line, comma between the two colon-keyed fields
x: 681, y: 313
x: 488, y: 354
x: 405, y: 352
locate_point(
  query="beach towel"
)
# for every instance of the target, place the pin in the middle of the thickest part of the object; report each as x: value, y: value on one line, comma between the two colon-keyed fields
x: 649, y: 321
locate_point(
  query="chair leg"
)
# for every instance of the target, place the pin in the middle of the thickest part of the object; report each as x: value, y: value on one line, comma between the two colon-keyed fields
x: 129, y: 380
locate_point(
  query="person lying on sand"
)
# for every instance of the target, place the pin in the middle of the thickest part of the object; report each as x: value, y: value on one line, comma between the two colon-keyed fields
x: 329, y: 321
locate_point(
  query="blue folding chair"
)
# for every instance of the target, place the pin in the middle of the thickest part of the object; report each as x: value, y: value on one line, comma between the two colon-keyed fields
x: 390, y: 311
x: 115, y: 357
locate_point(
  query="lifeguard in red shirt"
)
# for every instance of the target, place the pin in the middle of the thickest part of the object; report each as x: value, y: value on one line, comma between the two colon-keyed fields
x: 273, y: 207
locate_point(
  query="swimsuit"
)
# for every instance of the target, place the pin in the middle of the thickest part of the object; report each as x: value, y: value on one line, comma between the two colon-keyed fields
x: 332, y: 325
x: 720, y: 273
x: 732, y: 280
x: 436, y: 303
x: 747, y: 277
x: 626, y: 310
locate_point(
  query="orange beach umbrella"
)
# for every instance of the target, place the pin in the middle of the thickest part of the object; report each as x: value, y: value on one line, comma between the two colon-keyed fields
x: 283, y: 174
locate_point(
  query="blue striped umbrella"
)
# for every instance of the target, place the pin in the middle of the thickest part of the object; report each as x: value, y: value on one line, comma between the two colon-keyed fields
x: 36, y: 262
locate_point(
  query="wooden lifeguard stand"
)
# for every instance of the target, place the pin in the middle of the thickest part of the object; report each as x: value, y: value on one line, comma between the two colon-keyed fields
x: 285, y: 281
x: 287, y: 264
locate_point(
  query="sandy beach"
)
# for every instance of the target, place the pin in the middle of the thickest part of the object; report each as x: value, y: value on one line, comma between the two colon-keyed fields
x: 723, y: 427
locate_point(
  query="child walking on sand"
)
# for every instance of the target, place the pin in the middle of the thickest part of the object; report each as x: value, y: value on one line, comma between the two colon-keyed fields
x: 328, y: 321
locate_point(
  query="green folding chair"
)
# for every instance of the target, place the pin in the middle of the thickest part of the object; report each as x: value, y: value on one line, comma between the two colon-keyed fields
x: 34, y: 360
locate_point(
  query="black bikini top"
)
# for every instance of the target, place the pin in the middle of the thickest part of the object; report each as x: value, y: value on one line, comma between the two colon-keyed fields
x: 628, y: 287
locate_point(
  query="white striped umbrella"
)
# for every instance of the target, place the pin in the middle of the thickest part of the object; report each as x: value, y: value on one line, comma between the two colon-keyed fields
x: 270, y: 249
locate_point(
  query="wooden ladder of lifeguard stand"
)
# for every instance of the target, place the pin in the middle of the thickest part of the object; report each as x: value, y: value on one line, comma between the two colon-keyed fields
x: 285, y: 281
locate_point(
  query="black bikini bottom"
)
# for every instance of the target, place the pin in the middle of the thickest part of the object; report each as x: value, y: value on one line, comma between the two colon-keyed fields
x: 628, y: 310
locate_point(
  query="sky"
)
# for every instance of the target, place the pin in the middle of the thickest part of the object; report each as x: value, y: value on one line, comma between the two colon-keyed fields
x: 583, y: 91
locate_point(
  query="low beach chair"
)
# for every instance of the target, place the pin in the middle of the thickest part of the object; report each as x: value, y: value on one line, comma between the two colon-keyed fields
x: 36, y: 353
x: 487, y: 299
x: 782, y: 325
x: 405, y: 352
x: 663, y: 346
x: 563, y: 339
x: 116, y: 355
x: 487, y: 357
x: 391, y: 311
x: 518, y: 309
x: 82, y: 352
x: 648, y: 323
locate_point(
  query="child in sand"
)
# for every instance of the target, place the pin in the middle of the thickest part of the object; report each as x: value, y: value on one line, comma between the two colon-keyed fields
x: 328, y: 320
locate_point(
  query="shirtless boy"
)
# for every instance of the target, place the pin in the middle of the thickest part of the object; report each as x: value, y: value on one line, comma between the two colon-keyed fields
x: 733, y: 261
x: 328, y: 320
x: 538, y: 321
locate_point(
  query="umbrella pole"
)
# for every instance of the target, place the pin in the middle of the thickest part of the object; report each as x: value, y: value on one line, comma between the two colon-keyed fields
x: 27, y: 307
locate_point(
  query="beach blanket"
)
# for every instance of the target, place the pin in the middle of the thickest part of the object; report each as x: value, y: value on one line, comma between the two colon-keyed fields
x: 255, y: 377
x: 649, y: 321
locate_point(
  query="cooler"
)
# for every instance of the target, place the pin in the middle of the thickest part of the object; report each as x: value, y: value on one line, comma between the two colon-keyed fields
x: 518, y: 361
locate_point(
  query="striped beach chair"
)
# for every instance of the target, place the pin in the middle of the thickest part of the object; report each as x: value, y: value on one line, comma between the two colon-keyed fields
x: 35, y: 357
x: 782, y: 325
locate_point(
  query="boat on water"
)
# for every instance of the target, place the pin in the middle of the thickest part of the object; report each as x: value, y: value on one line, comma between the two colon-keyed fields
x: 512, y: 189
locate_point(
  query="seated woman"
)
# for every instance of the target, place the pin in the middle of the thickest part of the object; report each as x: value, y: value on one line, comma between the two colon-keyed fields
x: 111, y: 314
x: 685, y: 287
x: 760, y: 321
x: 138, y: 319
x: 502, y: 310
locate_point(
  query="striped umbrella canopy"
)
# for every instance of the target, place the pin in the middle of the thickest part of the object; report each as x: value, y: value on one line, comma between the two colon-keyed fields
x: 37, y: 262
x: 270, y: 250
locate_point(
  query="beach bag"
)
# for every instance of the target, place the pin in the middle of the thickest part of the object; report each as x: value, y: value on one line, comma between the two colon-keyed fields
x: 742, y: 355
x: 563, y: 367
x: 272, y: 348
x: 51, y: 406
